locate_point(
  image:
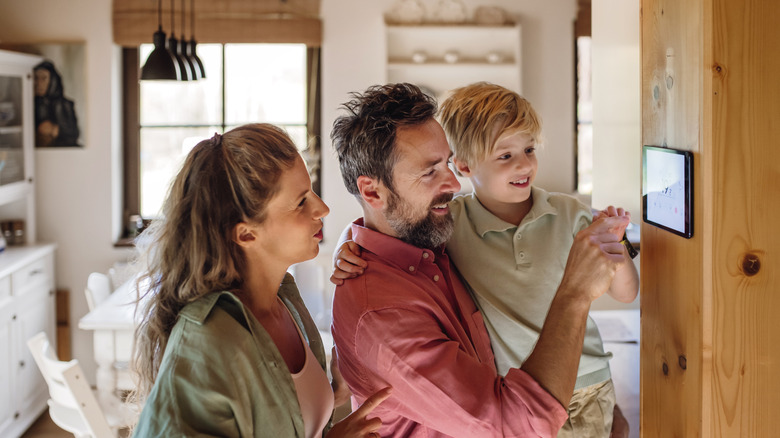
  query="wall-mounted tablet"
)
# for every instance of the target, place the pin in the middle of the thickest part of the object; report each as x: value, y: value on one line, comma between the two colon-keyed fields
x: 667, y: 189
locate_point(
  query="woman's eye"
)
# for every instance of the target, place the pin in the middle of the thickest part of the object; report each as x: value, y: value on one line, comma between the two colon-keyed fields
x: 504, y: 157
x: 530, y: 150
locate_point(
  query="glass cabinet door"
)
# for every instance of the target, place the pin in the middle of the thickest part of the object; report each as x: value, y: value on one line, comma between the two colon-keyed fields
x: 11, y: 150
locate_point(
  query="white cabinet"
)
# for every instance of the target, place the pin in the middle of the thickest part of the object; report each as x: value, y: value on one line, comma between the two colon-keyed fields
x: 17, y: 182
x: 26, y: 308
x: 442, y: 57
x: 26, y: 268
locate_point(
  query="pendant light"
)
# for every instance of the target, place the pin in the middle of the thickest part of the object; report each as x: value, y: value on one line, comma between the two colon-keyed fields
x: 183, y: 51
x: 161, y: 63
x: 200, y: 72
x: 173, y: 46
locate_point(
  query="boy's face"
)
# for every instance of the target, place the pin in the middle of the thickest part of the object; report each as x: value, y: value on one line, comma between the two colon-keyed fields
x: 503, y: 179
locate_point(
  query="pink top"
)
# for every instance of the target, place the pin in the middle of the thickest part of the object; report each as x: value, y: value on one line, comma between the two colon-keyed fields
x: 315, y: 395
x: 408, y: 322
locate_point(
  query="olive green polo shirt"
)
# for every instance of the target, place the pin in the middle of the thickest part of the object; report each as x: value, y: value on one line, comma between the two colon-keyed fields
x: 514, y: 272
x: 222, y: 375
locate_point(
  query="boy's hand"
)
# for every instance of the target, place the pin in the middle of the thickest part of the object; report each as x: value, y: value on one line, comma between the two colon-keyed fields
x: 612, y: 211
x: 347, y: 263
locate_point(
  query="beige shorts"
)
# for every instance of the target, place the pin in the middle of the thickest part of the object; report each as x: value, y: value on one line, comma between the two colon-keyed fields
x: 590, y: 412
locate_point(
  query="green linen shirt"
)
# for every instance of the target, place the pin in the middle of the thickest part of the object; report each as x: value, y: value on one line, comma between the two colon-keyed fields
x: 222, y: 375
x: 514, y: 272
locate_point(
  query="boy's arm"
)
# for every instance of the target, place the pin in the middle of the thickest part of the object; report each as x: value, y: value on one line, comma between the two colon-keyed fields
x: 346, y: 258
x: 625, y: 286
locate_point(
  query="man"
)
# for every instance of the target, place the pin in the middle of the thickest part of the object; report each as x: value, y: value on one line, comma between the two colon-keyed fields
x: 408, y: 322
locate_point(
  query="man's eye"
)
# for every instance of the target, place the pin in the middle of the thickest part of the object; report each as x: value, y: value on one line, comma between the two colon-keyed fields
x: 430, y: 172
x: 303, y: 201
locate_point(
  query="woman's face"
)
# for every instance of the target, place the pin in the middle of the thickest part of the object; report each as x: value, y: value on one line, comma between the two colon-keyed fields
x: 292, y: 230
x: 42, y: 78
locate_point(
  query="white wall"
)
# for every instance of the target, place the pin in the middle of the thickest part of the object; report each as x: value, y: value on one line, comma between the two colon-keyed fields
x: 616, y: 114
x: 77, y: 204
x: 78, y: 189
x: 353, y: 59
x: 616, y: 110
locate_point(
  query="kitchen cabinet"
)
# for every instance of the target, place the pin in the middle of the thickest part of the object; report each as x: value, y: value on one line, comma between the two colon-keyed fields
x: 26, y: 308
x: 17, y: 182
x: 26, y: 268
x: 439, y: 57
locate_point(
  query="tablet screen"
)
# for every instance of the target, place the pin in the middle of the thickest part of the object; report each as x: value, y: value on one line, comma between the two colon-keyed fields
x: 667, y: 182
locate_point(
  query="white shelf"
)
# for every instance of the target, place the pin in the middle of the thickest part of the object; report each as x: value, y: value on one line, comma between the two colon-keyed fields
x: 471, y: 43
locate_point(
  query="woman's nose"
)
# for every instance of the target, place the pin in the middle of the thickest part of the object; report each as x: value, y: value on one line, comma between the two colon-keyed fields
x: 322, y: 209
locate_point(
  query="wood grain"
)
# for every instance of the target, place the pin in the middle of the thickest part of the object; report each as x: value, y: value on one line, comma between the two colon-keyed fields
x: 704, y: 298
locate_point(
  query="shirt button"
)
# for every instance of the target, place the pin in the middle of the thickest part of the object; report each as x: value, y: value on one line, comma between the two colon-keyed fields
x: 519, y: 236
x: 522, y: 255
x: 425, y: 255
x: 411, y: 268
x: 435, y: 278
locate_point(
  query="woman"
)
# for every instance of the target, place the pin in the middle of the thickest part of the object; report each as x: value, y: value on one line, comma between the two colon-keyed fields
x: 227, y: 347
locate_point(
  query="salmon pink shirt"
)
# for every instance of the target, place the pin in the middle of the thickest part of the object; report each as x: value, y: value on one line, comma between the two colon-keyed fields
x: 408, y: 322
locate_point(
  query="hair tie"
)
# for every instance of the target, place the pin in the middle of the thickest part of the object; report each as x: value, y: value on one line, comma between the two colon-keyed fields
x: 217, y: 139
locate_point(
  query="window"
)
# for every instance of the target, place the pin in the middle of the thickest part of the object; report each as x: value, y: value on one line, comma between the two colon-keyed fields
x: 245, y: 83
x: 584, y: 117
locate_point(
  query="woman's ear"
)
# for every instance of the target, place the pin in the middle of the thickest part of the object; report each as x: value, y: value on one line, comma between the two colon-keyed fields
x: 371, y: 191
x: 461, y: 166
x: 243, y: 234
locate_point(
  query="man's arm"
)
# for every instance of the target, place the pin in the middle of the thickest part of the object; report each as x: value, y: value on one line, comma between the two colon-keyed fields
x: 593, y: 260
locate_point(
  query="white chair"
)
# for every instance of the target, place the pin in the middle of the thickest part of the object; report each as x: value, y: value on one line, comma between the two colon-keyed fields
x: 72, y: 405
x: 98, y: 289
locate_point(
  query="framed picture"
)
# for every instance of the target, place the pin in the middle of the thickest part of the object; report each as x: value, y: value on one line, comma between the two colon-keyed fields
x: 60, y: 93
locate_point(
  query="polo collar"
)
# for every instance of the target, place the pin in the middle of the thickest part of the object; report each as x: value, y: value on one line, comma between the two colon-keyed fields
x: 484, y: 221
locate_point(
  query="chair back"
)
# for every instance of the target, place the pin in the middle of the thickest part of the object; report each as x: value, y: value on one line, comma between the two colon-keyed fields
x: 72, y: 406
x: 98, y: 289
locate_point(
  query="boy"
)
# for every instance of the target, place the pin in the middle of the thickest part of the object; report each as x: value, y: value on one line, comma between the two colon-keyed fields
x: 511, y: 241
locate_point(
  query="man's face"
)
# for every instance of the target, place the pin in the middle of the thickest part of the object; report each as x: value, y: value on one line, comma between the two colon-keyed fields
x: 417, y: 210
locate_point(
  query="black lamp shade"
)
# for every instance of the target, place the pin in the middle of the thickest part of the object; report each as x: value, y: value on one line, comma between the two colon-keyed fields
x: 184, y: 67
x: 197, y: 64
x: 161, y: 63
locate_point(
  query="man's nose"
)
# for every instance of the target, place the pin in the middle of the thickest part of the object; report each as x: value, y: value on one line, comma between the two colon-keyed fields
x: 451, y: 183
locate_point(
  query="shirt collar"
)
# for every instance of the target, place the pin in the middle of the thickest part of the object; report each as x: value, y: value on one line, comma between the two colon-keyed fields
x: 199, y: 310
x: 392, y: 250
x: 484, y: 221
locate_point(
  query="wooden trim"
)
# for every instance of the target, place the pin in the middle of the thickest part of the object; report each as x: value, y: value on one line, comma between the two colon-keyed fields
x: 582, y: 25
x: 131, y: 125
x: 227, y: 21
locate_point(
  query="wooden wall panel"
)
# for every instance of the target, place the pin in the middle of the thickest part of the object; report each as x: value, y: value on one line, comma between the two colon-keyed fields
x: 671, y: 266
x: 746, y: 203
x: 710, y: 71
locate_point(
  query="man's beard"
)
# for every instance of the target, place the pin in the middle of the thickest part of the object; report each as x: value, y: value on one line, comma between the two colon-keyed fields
x: 429, y: 232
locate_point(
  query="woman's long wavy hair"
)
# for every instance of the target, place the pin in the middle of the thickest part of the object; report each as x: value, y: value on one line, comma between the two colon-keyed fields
x: 190, y: 252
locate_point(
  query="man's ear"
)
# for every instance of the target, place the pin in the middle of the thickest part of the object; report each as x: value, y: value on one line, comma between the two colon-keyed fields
x: 243, y: 234
x: 371, y: 191
x: 461, y: 167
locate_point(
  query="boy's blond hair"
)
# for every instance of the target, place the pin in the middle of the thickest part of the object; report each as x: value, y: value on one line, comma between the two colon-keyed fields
x: 475, y: 116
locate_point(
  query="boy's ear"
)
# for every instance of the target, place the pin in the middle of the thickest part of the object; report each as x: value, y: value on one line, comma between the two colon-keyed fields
x: 371, y: 191
x: 461, y: 167
x: 243, y: 234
